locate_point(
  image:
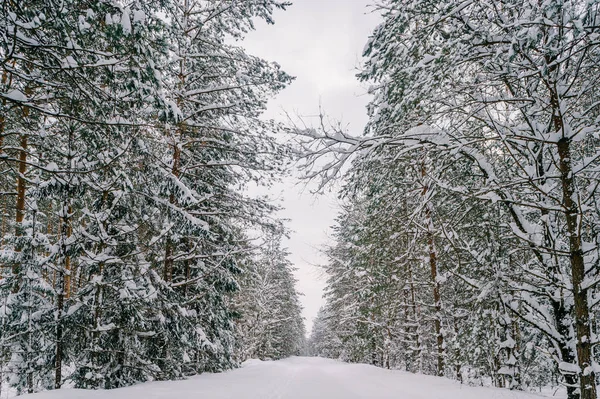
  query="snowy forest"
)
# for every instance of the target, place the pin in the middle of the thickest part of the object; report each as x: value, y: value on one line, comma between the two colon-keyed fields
x: 133, y: 247
x: 130, y: 249
x: 468, y: 242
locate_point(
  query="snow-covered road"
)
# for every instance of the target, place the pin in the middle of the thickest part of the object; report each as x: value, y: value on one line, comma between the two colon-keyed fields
x: 298, y: 378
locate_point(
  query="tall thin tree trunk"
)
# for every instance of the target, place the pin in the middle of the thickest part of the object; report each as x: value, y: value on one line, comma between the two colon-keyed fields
x: 4, y: 217
x: 187, y: 270
x: 561, y: 312
x: 30, y: 327
x: 2, y: 127
x: 388, y: 349
x: 437, y: 305
x: 169, y: 247
x: 457, y: 354
x: 59, y: 340
x: 417, y: 339
x: 20, y: 204
x: 516, y: 350
x: 587, y: 378
x: 64, y: 278
x: 4, y: 80
x: 176, y: 170
x: 409, y: 361
x: 62, y: 290
x: 68, y: 265
x: 437, y: 300
x: 98, y: 299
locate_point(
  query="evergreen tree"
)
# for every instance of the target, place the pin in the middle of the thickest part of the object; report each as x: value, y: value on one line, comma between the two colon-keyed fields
x: 493, y: 101
x: 271, y: 325
x: 131, y: 130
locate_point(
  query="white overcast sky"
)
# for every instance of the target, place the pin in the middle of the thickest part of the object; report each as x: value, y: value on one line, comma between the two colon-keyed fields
x: 320, y: 43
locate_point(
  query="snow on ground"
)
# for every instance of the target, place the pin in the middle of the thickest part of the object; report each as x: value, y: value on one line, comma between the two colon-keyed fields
x: 298, y: 378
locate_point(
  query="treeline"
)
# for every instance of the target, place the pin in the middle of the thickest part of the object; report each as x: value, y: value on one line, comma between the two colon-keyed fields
x: 468, y: 243
x: 129, y: 132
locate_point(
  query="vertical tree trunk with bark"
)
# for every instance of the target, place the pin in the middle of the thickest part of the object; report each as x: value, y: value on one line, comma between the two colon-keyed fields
x: 587, y: 379
x: 437, y: 305
x: 20, y: 203
x: 416, y: 338
x: 437, y: 300
x: 4, y: 199
x: 176, y: 170
x: 68, y: 266
x: 457, y: 355
x: 63, y: 274
x: 170, y: 245
x: 4, y: 81
x: 63, y: 287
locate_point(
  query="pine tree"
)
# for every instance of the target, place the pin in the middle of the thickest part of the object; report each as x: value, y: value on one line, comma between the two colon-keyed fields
x: 498, y: 95
x: 271, y: 325
x: 131, y: 131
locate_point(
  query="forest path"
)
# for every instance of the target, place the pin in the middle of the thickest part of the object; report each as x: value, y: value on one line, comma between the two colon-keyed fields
x: 298, y: 378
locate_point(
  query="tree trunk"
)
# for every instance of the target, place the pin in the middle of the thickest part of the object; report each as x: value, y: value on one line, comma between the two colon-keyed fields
x: 417, y: 341
x: 187, y: 271
x: 63, y: 287
x: 4, y: 199
x: 437, y: 305
x: 2, y: 127
x: 20, y: 206
x: 587, y: 380
x: 437, y: 300
x: 168, y: 269
x: 98, y: 299
x: 59, y: 340
x: 68, y: 266
x: 3, y: 232
x: 457, y: 354
x: 176, y: 171
x: 169, y: 248
x: 561, y: 313
x: 516, y: 351
x: 21, y: 191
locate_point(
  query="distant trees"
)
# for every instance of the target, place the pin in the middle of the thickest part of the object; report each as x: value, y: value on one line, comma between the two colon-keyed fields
x: 272, y: 327
x: 128, y: 133
x: 481, y: 157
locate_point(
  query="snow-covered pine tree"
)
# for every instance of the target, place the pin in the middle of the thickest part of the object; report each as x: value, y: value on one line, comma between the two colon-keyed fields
x: 522, y: 133
x: 500, y: 91
x: 27, y: 309
x: 131, y: 130
x: 271, y: 325
x: 110, y: 57
x: 322, y: 340
x: 210, y: 145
